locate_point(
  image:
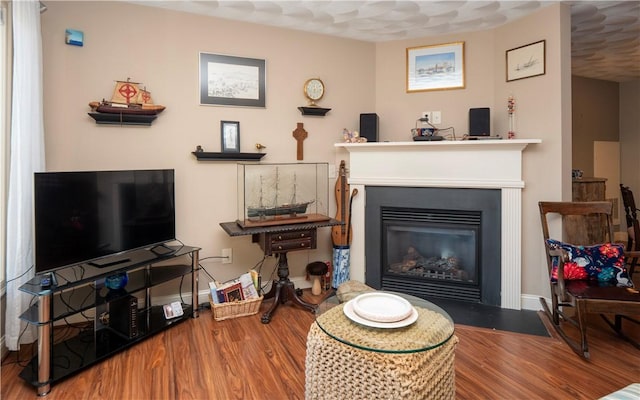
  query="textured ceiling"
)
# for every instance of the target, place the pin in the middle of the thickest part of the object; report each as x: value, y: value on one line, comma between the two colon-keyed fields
x: 605, y: 40
x: 605, y: 35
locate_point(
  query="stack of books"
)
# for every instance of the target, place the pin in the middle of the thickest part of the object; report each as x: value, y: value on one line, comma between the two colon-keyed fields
x: 245, y: 287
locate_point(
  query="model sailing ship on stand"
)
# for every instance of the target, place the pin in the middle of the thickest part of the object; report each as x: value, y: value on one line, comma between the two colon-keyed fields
x: 290, y: 210
x: 130, y: 103
x: 282, y: 194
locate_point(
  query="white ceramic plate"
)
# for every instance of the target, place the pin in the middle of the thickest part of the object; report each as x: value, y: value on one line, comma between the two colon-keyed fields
x: 382, y: 307
x: 348, y: 311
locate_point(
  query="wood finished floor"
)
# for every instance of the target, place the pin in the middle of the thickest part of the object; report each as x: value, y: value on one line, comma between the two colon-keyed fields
x: 245, y: 359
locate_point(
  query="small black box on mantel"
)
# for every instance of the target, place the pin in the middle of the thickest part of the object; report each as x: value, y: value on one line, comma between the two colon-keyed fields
x: 479, y: 121
x: 369, y: 126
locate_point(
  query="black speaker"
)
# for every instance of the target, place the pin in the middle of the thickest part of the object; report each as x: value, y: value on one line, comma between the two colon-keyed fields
x: 479, y: 122
x: 123, y: 316
x: 369, y: 126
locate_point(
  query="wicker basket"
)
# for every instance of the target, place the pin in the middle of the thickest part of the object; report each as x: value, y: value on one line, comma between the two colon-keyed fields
x: 235, y: 309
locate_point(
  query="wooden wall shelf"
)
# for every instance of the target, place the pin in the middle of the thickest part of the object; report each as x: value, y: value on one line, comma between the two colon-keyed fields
x: 318, y: 111
x: 210, y: 156
x: 122, y: 119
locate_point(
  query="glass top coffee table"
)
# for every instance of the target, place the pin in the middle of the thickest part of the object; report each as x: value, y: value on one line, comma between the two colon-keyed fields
x: 424, y: 326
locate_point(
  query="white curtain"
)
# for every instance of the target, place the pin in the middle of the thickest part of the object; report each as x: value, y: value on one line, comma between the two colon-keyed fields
x: 26, y: 157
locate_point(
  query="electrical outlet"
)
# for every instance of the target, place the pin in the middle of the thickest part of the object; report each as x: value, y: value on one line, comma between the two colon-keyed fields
x: 228, y: 256
x: 437, y: 117
x: 427, y: 115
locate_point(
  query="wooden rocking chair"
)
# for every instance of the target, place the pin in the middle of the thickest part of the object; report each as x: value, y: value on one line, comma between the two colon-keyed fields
x: 586, y: 227
x: 633, y: 226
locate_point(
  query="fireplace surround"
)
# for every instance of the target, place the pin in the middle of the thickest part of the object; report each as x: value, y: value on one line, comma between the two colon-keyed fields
x: 479, y: 164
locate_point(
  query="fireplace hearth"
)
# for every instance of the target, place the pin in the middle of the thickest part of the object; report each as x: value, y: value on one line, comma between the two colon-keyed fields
x: 434, y: 242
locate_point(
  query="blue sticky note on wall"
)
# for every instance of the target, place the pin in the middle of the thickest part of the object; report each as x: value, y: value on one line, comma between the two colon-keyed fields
x: 73, y: 37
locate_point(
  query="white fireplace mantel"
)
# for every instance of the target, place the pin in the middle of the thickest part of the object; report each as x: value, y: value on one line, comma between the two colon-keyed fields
x: 488, y: 164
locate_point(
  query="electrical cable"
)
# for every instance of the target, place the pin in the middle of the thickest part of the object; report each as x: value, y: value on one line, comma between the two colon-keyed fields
x: 18, y: 360
x: 206, y: 272
x: 451, y: 128
x: 272, y: 275
x: 20, y: 276
x: 180, y: 289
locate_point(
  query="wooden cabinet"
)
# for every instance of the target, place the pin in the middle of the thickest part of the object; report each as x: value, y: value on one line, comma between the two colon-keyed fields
x: 588, y: 189
x: 579, y: 230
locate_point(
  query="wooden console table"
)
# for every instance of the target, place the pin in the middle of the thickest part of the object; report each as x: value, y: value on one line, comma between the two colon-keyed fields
x: 279, y: 240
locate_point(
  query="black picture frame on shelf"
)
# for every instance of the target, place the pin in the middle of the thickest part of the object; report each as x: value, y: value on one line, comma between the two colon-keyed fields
x: 230, y: 136
x: 232, y: 81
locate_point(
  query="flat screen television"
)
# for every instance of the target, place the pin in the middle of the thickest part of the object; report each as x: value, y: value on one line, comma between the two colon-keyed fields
x: 85, y: 217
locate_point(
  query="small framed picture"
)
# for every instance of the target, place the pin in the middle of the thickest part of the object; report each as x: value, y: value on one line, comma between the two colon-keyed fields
x: 526, y: 61
x: 230, y: 136
x: 173, y: 310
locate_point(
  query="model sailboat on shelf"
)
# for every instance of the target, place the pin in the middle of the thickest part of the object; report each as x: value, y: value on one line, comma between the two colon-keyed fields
x: 128, y: 98
x: 290, y: 209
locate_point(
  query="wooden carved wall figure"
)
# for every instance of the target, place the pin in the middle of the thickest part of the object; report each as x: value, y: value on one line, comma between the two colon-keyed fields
x: 300, y: 135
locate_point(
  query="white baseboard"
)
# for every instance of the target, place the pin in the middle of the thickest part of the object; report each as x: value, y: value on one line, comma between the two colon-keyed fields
x: 530, y: 302
x: 300, y: 282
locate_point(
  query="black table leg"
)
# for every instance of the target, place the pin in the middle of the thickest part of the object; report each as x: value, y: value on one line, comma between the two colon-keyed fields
x: 283, y: 290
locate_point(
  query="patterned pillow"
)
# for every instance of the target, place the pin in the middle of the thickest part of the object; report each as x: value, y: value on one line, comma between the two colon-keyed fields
x: 603, y: 263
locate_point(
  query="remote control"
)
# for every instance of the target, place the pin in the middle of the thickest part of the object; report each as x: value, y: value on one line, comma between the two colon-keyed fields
x: 45, y: 282
x: 48, y: 280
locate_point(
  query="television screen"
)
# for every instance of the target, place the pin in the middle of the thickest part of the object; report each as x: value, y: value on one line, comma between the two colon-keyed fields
x: 85, y: 216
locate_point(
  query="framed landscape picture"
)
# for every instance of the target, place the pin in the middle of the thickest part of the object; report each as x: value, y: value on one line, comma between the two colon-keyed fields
x: 436, y: 67
x: 232, y: 81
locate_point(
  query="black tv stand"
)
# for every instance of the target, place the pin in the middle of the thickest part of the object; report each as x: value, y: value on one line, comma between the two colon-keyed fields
x: 109, y: 263
x: 81, y: 289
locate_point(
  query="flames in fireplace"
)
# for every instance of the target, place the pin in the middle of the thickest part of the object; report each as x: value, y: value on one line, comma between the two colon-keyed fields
x: 413, y: 263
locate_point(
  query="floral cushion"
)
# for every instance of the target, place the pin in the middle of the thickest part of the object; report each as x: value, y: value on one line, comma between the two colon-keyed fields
x: 603, y: 263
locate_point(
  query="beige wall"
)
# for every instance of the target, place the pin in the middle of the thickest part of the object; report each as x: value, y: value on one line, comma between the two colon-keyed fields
x: 630, y: 136
x: 606, y: 113
x: 160, y: 48
x: 595, y: 117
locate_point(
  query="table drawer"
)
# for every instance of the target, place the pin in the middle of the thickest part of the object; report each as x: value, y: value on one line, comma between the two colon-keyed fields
x: 281, y: 242
x: 297, y: 235
x: 290, y: 245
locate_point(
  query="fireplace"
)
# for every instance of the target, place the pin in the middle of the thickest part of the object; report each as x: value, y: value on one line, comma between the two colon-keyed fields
x: 487, y: 165
x: 434, y: 242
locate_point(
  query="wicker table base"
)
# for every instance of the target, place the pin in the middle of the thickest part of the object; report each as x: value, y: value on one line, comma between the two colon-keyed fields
x: 335, y: 370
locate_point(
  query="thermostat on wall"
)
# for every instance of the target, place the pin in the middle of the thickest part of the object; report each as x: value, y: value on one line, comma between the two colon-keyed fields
x: 74, y: 37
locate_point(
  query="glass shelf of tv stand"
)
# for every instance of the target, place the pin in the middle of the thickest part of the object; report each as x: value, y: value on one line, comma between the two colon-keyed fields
x: 75, y: 292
